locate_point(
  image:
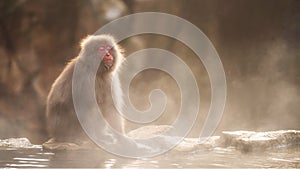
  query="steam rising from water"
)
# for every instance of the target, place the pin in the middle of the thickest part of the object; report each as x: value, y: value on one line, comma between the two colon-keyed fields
x: 263, y: 87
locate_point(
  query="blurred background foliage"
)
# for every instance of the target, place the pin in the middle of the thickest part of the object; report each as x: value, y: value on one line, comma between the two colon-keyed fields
x: 258, y: 43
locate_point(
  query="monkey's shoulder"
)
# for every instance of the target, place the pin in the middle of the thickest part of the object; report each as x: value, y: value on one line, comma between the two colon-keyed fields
x: 61, y: 89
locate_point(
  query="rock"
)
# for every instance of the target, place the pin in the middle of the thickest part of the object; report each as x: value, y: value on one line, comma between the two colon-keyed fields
x: 188, y: 144
x: 148, y: 131
x: 17, y: 143
x: 245, y: 141
x: 52, y: 145
x: 192, y: 144
x: 248, y: 141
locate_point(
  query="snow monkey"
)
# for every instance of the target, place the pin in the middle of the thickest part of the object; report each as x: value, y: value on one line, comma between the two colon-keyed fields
x: 62, y: 122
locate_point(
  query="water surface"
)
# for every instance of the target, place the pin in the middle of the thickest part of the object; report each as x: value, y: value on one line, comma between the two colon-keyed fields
x: 216, y: 157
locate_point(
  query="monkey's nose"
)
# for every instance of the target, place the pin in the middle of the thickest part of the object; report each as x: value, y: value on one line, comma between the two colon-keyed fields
x: 108, y: 57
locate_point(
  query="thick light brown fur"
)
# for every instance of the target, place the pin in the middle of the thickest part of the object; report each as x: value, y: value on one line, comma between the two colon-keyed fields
x: 62, y: 122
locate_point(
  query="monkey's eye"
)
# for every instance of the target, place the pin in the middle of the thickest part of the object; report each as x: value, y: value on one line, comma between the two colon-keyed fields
x: 104, y: 48
x: 101, y: 48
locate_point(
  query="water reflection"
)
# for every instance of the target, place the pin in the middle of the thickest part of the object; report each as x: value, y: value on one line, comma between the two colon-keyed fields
x: 29, y: 158
x: 217, y: 157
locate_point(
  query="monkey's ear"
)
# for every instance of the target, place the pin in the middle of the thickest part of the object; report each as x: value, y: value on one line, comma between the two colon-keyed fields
x: 84, y: 40
x: 121, y: 50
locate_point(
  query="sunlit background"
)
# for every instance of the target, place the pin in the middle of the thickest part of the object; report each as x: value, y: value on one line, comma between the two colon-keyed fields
x: 257, y: 41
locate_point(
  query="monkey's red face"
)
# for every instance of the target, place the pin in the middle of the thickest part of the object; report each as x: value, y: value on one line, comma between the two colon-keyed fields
x: 107, y: 52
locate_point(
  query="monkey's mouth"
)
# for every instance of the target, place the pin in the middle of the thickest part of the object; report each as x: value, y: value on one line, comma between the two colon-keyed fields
x: 108, y: 61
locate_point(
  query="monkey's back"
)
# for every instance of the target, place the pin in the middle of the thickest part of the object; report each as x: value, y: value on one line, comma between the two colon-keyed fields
x: 62, y: 121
